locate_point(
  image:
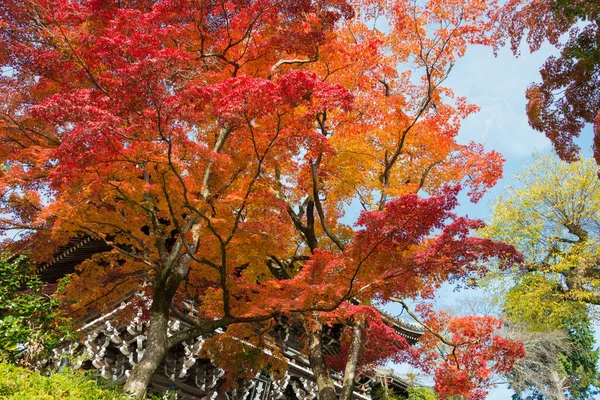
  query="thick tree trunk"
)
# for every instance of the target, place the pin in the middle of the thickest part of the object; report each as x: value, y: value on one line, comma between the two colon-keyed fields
x: 314, y: 331
x: 156, y: 343
x: 352, y: 362
x: 156, y: 349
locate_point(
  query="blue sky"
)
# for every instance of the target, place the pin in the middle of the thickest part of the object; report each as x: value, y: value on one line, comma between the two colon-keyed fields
x: 498, y: 85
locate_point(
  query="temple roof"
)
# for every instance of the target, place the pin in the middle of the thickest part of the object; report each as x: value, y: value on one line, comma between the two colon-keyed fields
x: 81, y: 248
x: 67, y: 257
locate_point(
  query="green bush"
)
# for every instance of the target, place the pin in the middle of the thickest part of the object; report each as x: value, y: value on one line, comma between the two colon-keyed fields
x: 421, y: 393
x: 30, y: 323
x: 17, y: 383
x: 382, y: 393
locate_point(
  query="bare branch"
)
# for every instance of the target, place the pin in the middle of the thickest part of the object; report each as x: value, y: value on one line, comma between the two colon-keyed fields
x: 286, y: 62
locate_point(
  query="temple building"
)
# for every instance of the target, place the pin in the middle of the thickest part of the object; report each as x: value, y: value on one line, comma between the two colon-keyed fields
x: 115, y: 349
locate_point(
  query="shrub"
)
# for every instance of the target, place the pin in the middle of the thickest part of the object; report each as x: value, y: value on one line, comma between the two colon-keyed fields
x: 421, y: 393
x: 18, y: 383
x: 30, y: 323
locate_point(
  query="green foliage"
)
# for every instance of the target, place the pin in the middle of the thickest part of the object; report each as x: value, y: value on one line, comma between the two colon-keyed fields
x: 383, y: 393
x: 581, y: 363
x: 552, y: 219
x: 421, y: 393
x: 574, y: 365
x: 30, y: 324
x: 17, y: 383
x: 535, y: 301
x: 414, y: 393
x: 575, y: 11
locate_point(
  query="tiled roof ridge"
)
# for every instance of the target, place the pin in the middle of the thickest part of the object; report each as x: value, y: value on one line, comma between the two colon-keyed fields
x: 410, y: 326
x: 80, y: 241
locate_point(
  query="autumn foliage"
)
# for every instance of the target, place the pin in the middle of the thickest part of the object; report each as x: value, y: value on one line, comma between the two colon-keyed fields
x: 474, y: 352
x: 216, y: 146
x: 567, y: 98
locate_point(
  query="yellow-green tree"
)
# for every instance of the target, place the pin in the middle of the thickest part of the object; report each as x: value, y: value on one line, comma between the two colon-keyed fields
x: 552, y: 215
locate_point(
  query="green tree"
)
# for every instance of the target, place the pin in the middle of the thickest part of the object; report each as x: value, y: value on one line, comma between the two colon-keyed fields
x: 581, y: 362
x: 29, y: 322
x: 552, y: 217
x: 560, y: 363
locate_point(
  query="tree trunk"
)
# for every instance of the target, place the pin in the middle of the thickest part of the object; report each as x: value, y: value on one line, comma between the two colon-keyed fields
x: 156, y: 344
x: 352, y: 362
x: 314, y: 331
x: 155, y: 350
x: 559, y: 384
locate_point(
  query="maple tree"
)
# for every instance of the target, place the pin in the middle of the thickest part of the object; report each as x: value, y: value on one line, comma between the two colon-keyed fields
x: 433, y: 52
x: 215, y: 145
x: 568, y: 96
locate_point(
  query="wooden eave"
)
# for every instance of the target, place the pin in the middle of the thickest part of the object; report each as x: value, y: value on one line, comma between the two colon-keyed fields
x: 67, y: 257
